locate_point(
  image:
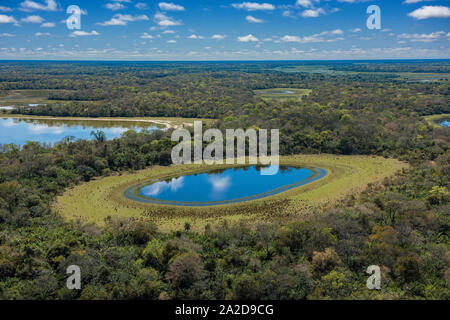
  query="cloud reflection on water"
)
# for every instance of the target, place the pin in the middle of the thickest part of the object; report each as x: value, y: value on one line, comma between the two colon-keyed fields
x: 45, y: 129
x: 159, y: 187
x: 270, y: 170
x: 8, y: 123
x: 220, y: 184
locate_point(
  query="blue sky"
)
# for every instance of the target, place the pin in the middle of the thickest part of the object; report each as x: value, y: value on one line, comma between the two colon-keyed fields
x: 224, y: 30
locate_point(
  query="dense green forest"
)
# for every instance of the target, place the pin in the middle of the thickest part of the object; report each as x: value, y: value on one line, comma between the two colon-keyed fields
x: 401, y: 225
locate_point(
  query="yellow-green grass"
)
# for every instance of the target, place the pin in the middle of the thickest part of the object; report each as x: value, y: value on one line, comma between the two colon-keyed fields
x: 278, y: 93
x: 23, y: 98
x: 347, y: 175
x: 435, y: 119
x: 108, y: 121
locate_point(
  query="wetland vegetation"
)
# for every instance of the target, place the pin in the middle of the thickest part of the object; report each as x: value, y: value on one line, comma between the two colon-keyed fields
x: 384, y: 201
x: 346, y: 176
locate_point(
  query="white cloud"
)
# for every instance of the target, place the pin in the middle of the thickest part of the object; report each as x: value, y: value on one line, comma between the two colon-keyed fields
x: 248, y: 38
x: 304, y: 3
x: 170, y: 6
x: 288, y: 38
x: 252, y: 19
x: 326, y: 36
x: 114, y: 6
x: 352, y: 1
x: 5, y: 9
x: 48, y: 25
x: 336, y: 32
x: 194, y: 36
x: 172, y: 41
x: 205, y: 53
x: 28, y: 5
x: 218, y: 37
x: 427, y: 12
x: 84, y: 34
x: 253, y: 6
x: 313, y: 13
x: 288, y: 14
x: 6, y: 35
x: 356, y: 30
x: 414, y: 1
x: 141, y: 6
x: 434, y: 36
x: 145, y: 35
x: 33, y: 19
x: 7, y: 19
x: 123, y: 19
x: 41, y: 34
x: 165, y: 21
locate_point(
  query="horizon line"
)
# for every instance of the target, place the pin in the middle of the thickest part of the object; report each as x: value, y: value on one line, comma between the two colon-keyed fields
x: 218, y: 60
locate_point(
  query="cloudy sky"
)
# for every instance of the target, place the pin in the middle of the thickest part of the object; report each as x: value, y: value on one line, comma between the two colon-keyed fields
x: 224, y: 30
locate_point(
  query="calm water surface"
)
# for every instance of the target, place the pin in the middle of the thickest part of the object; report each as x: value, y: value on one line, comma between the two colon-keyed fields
x: 19, y: 131
x: 225, y: 186
x: 445, y: 123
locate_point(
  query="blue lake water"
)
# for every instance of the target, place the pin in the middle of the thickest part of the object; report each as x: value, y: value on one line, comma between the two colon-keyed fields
x: 224, y: 186
x: 19, y: 131
x: 445, y: 123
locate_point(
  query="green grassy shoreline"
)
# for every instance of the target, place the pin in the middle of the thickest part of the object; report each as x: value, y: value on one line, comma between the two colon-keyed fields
x: 434, y: 119
x: 100, y: 122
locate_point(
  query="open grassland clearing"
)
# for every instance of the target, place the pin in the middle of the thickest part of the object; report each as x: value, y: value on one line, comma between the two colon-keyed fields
x: 347, y: 175
x: 26, y: 98
x: 282, y: 93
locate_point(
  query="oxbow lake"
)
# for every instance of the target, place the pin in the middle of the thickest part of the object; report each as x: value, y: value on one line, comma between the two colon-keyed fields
x: 19, y: 131
x: 224, y: 186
